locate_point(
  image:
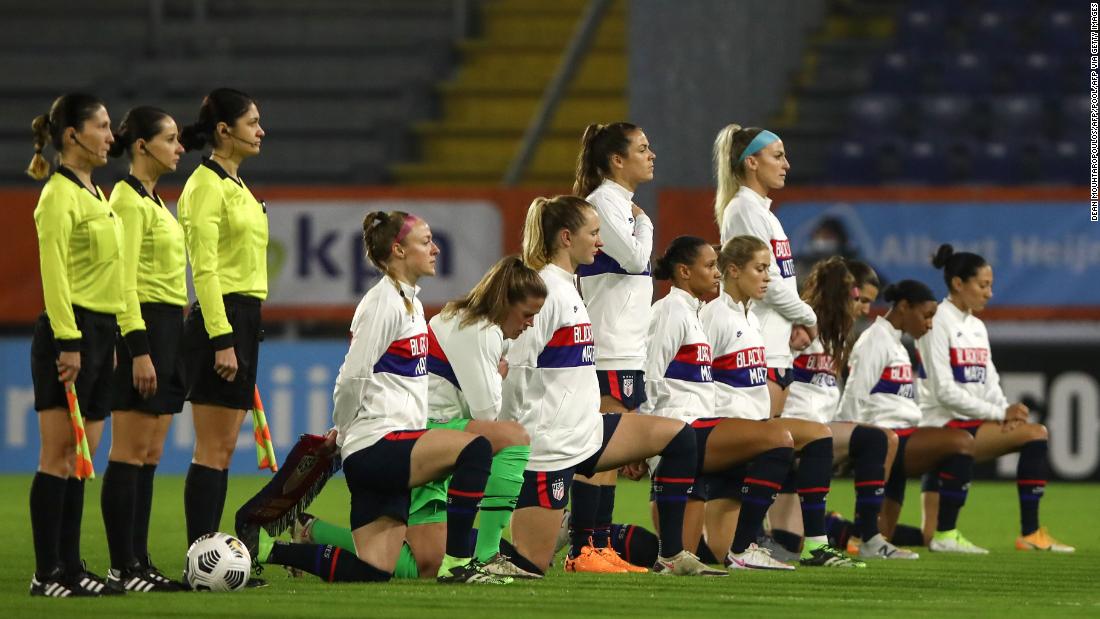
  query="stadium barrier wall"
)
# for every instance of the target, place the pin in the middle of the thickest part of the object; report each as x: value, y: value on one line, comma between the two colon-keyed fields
x: 1046, y: 257
x: 296, y: 379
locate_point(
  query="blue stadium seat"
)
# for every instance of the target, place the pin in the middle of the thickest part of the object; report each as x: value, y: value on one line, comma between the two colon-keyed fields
x: 993, y: 163
x: 850, y: 163
x: 1017, y: 114
x: 1065, y: 30
x: 1037, y: 72
x: 898, y: 72
x: 1066, y: 162
x: 921, y: 26
x: 874, y: 111
x: 993, y: 30
x: 924, y: 162
x: 1073, y: 117
x: 945, y: 113
x: 966, y: 71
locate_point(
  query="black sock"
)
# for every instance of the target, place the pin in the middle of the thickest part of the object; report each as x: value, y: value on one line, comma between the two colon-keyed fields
x: 330, y: 563
x: 517, y: 558
x: 47, y: 493
x: 467, y: 486
x: 200, y: 500
x: 143, y: 509
x: 584, y: 506
x: 671, y: 480
x: 905, y: 535
x: 763, y: 480
x: 116, y: 502
x: 635, y: 544
x: 815, y: 471
x: 838, y: 530
x: 601, y: 535
x: 867, y: 449
x: 954, y: 484
x: 71, y: 517
x: 787, y: 539
x: 1031, y: 482
x: 223, y: 489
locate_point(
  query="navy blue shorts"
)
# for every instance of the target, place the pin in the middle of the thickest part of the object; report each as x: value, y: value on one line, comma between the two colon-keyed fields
x: 550, y: 489
x: 378, y: 478
x: 626, y: 386
x: 781, y: 376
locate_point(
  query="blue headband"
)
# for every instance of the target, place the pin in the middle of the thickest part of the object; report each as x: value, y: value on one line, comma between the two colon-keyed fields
x: 761, y: 140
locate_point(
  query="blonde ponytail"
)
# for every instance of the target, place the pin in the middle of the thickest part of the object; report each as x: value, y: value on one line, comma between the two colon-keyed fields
x: 545, y: 218
x: 39, y: 168
x: 728, y: 183
x: 534, y: 252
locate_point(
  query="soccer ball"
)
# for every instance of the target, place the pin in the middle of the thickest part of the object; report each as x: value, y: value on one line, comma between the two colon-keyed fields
x: 217, y: 562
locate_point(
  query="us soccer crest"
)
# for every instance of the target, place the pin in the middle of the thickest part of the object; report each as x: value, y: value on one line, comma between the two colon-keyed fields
x: 558, y: 488
x: 628, y: 386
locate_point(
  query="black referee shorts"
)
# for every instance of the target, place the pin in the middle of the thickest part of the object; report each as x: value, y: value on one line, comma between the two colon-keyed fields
x: 93, y: 382
x: 204, y: 386
x: 164, y: 330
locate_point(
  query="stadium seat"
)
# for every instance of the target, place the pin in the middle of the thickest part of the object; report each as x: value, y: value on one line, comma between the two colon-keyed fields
x: 1073, y: 117
x: 897, y: 72
x: 921, y: 27
x: 992, y: 30
x: 945, y: 113
x: 992, y: 163
x: 851, y: 163
x: 1037, y: 72
x: 1065, y: 30
x: 1066, y: 162
x: 966, y: 71
x: 1017, y: 114
x: 875, y: 111
x: 924, y: 162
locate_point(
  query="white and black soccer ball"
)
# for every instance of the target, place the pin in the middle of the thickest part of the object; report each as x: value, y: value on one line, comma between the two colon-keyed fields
x: 218, y: 562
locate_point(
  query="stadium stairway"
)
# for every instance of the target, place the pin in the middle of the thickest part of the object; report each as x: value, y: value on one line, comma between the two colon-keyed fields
x: 499, y: 85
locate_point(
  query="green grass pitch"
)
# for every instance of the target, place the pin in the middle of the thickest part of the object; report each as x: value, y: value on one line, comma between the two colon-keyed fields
x: 1004, y: 583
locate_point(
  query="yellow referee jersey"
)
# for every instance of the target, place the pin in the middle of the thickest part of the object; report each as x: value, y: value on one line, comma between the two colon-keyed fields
x: 153, y: 257
x: 226, y: 232
x: 79, y: 241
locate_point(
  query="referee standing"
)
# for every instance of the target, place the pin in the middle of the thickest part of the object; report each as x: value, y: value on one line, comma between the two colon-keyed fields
x: 148, y: 382
x: 225, y: 228
x: 79, y: 240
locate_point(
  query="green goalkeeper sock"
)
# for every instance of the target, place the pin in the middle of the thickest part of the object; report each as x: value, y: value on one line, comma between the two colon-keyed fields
x: 505, y: 481
x: 328, y: 534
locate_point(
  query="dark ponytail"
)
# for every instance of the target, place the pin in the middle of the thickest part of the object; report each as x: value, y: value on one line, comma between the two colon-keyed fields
x: 828, y: 290
x: 682, y: 250
x: 598, y: 143
x: 962, y: 265
x: 69, y: 110
x: 222, y: 105
x: 908, y: 290
x: 140, y: 123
